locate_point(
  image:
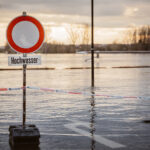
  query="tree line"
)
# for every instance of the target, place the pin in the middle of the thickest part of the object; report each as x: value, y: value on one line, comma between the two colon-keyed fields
x: 138, y: 38
x: 79, y: 37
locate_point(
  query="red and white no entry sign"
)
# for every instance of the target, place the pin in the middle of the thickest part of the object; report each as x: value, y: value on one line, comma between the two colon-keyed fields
x: 25, y: 34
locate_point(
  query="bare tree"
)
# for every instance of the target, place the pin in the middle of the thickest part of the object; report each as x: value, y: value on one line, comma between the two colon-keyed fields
x: 85, y: 34
x: 73, y: 34
x: 129, y: 34
x: 84, y: 37
x: 47, y: 39
x: 138, y: 38
x: 48, y: 34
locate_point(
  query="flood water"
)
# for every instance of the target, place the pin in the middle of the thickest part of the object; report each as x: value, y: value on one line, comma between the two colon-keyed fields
x: 81, y: 121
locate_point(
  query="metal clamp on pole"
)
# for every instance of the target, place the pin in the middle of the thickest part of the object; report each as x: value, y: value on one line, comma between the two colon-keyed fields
x: 24, y: 13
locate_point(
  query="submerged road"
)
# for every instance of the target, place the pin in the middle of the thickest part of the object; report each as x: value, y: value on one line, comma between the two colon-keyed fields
x: 105, y: 134
x: 81, y: 122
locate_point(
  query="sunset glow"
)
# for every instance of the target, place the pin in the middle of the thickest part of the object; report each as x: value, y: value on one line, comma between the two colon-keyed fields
x: 112, y: 19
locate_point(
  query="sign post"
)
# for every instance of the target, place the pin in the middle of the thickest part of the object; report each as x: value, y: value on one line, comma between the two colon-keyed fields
x: 24, y: 93
x: 92, y: 43
x: 25, y: 34
x: 24, y: 88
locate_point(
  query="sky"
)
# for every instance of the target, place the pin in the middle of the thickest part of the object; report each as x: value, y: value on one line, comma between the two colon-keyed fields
x: 112, y: 17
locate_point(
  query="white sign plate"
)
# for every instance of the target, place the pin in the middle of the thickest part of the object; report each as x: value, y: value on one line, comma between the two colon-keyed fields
x: 20, y: 60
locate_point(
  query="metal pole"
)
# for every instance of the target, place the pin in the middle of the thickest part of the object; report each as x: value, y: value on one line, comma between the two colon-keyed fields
x: 92, y: 43
x: 24, y: 92
x: 24, y: 88
x: 92, y: 119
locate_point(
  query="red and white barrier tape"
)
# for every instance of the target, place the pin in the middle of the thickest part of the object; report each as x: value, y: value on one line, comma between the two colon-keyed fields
x: 88, y: 94
x: 10, y: 89
x: 76, y: 93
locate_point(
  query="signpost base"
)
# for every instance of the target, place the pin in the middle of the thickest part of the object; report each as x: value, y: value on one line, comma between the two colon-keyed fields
x: 28, y: 136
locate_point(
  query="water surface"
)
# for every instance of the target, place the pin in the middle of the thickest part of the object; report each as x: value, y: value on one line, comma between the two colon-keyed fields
x: 117, y: 119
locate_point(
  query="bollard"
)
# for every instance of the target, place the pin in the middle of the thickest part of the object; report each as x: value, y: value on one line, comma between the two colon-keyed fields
x: 28, y: 136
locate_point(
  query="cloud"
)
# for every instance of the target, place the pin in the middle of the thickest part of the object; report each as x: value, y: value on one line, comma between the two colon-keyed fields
x: 77, y: 7
x: 108, y: 13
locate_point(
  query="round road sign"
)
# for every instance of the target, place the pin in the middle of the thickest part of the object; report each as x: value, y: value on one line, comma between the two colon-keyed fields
x: 25, y: 34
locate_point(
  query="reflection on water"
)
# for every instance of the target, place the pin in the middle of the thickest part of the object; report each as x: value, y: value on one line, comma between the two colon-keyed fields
x: 92, y: 120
